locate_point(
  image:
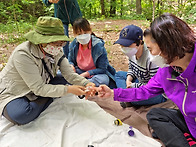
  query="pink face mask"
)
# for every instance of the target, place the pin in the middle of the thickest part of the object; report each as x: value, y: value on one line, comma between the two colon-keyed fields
x: 52, y: 50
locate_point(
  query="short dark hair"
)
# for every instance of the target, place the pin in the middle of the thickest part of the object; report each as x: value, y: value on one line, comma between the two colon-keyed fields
x: 138, y: 42
x: 173, y: 36
x: 81, y: 24
x: 147, y: 32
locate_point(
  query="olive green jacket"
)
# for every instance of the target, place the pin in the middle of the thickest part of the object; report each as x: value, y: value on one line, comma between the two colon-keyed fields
x: 25, y: 75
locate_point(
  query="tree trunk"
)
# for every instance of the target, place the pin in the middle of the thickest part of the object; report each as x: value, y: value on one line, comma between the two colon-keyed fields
x: 121, y: 7
x: 102, y: 7
x: 138, y: 7
x: 112, y: 8
x: 153, y: 10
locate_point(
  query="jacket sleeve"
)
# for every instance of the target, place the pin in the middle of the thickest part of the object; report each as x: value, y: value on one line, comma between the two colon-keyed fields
x: 151, y: 89
x: 46, y: 2
x: 70, y: 75
x: 101, y: 62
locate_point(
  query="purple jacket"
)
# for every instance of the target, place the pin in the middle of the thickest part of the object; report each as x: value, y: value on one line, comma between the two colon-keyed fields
x: 181, y: 90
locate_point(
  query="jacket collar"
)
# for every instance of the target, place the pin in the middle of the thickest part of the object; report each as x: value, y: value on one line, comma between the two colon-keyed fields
x: 95, y: 40
x: 191, y: 67
x: 36, y: 51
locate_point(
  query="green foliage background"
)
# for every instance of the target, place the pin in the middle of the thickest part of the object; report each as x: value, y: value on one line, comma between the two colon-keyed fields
x: 18, y: 16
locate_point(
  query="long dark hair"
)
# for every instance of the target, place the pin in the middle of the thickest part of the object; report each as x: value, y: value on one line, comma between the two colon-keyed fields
x: 82, y: 24
x: 173, y: 36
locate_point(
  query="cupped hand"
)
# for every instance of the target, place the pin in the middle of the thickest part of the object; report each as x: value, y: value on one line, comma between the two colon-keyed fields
x: 90, y: 91
x: 75, y: 89
x: 90, y: 84
x: 105, y: 92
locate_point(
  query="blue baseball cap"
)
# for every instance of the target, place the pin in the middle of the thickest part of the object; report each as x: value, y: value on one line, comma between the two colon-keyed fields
x: 129, y: 35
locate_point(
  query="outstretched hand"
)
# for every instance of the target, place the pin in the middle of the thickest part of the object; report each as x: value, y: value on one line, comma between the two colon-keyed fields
x: 90, y: 90
x: 105, y: 92
x: 102, y: 91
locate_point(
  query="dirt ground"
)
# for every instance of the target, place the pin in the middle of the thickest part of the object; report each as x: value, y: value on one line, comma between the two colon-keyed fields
x: 108, y: 30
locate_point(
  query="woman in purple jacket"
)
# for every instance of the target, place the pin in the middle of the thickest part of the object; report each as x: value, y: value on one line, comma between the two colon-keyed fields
x: 174, y: 46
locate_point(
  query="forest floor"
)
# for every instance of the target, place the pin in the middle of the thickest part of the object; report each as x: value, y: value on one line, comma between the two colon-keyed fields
x: 108, y: 30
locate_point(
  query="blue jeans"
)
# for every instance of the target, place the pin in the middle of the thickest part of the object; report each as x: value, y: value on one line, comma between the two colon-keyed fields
x: 120, y: 78
x: 22, y: 110
x: 66, y: 47
x: 96, y: 79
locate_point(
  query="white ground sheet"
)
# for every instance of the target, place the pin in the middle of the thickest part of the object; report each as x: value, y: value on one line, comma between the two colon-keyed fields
x: 72, y: 122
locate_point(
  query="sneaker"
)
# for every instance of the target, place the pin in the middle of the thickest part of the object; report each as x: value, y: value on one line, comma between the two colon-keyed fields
x: 191, y: 142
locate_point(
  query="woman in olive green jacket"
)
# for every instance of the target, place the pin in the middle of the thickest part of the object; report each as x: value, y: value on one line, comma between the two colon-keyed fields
x: 25, y: 82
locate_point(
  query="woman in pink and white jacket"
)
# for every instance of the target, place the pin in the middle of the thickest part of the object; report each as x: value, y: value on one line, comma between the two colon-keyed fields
x: 173, y: 48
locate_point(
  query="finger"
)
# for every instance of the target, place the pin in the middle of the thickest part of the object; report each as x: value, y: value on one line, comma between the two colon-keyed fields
x: 82, y: 88
x: 86, y: 97
x: 81, y: 92
x: 91, y: 88
x: 89, y: 94
x: 100, y: 88
x: 101, y: 94
x: 92, y: 93
x: 95, y: 88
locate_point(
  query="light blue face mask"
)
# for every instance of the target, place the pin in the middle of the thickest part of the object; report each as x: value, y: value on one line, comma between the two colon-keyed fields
x: 158, y: 60
x: 129, y: 51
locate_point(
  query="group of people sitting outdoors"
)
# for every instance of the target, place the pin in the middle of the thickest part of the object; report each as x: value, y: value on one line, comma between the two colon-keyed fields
x: 163, y: 67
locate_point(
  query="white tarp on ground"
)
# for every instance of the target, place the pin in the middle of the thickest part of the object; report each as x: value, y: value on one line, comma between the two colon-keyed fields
x: 72, y: 122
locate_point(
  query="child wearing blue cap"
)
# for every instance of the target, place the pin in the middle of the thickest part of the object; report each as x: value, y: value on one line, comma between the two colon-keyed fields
x: 141, y: 69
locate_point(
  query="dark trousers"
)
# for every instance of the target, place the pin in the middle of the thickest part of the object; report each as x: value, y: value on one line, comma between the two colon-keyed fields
x: 169, y: 125
x: 22, y: 111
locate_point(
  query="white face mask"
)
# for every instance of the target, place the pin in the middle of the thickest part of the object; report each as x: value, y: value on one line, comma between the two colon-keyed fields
x: 52, y: 50
x: 158, y: 60
x: 84, y: 38
x: 129, y: 51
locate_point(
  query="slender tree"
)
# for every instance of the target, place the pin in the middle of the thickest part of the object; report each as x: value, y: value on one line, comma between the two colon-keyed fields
x: 121, y: 7
x: 112, y: 8
x: 138, y: 7
x: 102, y: 7
x: 153, y: 12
